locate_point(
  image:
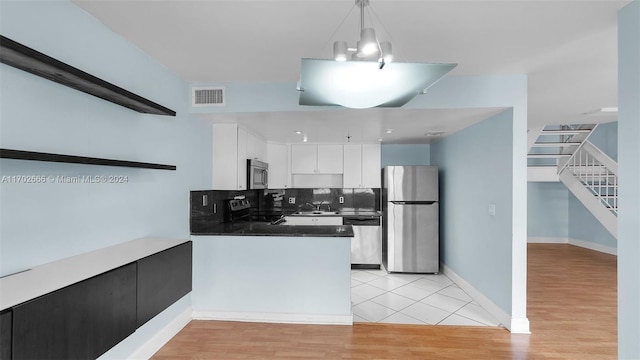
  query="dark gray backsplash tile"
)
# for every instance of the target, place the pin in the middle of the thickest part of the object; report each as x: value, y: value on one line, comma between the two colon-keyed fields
x: 269, y: 204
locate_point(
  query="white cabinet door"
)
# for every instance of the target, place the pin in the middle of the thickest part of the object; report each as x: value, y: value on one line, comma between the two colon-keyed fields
x: 278, y: 159
x: 352, y: 177
x: 330, y: 159
x: 242, y: 159
x: 225, y: 157
x: 371, y: 165
x: 256, y: 148
x: 361, y: 166
x: 313, y: 220
x: 298, y: 220
x: 304, y: 159
x: 328, y: 220
x: 316, y: 159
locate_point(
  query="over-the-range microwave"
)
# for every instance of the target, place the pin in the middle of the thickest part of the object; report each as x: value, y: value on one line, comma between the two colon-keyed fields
x: 257, y: 174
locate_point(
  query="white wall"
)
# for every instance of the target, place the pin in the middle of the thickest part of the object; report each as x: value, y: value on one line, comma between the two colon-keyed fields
x: 40, y: 223
x: 629, y: 166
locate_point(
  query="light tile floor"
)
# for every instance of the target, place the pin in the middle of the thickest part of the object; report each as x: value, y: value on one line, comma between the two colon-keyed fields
x: 377, y: 296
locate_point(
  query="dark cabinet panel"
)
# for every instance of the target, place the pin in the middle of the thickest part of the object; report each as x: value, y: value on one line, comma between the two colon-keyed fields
x: 163, y: 278
x: 5, y: 335
x: 81, y: 321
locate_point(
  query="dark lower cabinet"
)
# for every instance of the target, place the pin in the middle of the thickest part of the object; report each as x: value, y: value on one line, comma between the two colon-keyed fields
x: 81, y: 321
x: 5, y: 334
x: 163, y: 278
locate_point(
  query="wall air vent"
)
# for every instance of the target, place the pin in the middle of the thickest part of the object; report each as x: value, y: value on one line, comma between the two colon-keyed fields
x: 208, y: 96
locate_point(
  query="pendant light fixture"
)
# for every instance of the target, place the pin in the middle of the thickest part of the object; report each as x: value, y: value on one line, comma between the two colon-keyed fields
x: 365, y: 75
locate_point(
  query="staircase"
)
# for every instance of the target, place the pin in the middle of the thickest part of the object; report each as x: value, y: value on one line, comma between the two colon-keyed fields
x: 563, y: 153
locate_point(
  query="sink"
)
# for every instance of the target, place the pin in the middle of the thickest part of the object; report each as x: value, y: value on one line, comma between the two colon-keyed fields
x: 316, y: 213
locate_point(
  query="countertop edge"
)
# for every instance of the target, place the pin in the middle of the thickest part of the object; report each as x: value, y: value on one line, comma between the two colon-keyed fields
x: 266, y: 230
x: 30, y: 284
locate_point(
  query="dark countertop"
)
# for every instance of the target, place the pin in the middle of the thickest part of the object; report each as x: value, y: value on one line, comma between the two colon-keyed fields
x: 346, y: 212
x: 363, y: 213
x: 260, y: 228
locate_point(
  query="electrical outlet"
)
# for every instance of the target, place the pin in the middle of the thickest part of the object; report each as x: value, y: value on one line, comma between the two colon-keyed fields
x: 341, y: 199
x: 492, y: 209
x: 292, y: 200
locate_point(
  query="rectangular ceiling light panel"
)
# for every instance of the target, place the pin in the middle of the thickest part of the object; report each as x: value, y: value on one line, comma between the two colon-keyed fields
x: 363, y: 84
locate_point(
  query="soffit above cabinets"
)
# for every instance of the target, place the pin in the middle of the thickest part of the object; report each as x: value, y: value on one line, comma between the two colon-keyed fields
x: 409, y: 126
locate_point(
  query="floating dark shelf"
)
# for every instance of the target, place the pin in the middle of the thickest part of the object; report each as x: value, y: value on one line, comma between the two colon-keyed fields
x: 38, y: 156
x: 30, y: 60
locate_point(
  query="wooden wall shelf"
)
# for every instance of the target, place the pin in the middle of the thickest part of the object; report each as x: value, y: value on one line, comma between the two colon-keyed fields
x: 39, y: 156
x: 32, y: 61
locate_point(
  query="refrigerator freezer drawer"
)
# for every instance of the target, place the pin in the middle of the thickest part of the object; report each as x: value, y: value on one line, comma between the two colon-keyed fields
x: 412, y: 238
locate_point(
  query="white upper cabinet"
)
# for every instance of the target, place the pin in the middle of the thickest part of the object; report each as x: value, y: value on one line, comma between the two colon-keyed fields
x: 256, y: 148
x: 226, y: 157
x: 243, y: 139
x: 304, y: 159
x: 352, y: 177
x: 371, y: 166
x: 232, y: 146
x: 361, y: 166
x: 316, y: 159
x: 278, y: 159
x: 330, y: 159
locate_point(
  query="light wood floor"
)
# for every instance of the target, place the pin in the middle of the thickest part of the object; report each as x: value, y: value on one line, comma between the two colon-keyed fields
x: 572, y: 308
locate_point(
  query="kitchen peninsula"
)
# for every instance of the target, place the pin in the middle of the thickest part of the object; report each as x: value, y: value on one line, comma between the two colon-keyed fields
x: 249, y: 266
x: 253, y: 270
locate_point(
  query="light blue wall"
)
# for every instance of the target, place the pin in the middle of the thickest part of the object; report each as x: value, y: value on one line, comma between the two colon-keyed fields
x: 547, y: 210
x: 276, y: 275
x: 605, y: 137
x: 405, y: 154
x: 482, y: 91
x: 474, y: 173
x: 582, y: 225
x: 45, y: 222
x: 629, y: 161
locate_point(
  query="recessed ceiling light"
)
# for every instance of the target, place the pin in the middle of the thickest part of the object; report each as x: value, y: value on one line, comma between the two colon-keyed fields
x: 434, y: 133
x: 304, y: 139
x: 605, y: 111
x: 298, y: 132
x: 379, y: 139
x: 389, y: 131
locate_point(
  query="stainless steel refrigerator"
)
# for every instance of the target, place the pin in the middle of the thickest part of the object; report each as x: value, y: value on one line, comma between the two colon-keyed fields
x: 410, y: 231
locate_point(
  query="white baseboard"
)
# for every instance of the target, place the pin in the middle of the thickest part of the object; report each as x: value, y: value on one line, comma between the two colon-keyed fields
x: 593, y: 246
x: 516, y: 326
x: 547, y: 240
x: 163, y: 336
x: 275, y: 317
x: 581, y: 243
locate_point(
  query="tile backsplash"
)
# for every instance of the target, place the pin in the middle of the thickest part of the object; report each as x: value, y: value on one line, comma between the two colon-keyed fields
x: 209, y: 206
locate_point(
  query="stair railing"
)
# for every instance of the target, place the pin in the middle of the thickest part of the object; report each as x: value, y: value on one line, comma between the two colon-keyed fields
x: 596, y: 171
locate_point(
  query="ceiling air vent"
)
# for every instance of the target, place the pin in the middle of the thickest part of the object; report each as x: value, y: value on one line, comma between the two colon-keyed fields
x: 208, y: 96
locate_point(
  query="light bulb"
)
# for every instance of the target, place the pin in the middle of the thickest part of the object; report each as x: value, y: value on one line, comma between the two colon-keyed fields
x: 340, y: 50
x: 368, y: 42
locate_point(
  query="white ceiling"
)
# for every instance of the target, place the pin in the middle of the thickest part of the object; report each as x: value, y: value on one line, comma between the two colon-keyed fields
x: 568, y: 49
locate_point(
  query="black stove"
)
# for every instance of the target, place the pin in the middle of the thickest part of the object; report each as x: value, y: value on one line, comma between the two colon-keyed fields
x: 238, y: 210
